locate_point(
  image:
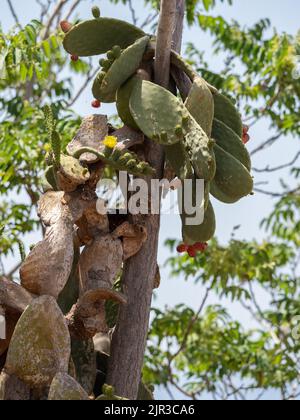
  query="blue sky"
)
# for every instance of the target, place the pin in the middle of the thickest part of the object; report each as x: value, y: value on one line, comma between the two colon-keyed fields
x: 250, y: 211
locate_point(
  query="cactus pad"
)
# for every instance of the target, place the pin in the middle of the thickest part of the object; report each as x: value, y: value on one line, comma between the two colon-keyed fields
x: 231, y: 143
x: 232, y: 179
x: 116, y: 73
x: 40, y: 346
x: 203, y: 232
x: 97, y: 36
x: 226, y: 112
x: 200, y: 104
x: 158, y: 113
x: 179, y: 160
x: 123, y: 98
x: 65, y: 388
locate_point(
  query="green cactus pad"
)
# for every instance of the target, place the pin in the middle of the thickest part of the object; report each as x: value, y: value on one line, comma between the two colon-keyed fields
x: 105, y: 88
x: 73, y: 170
x: 200, y: 151
x: 200, y: 233
x: 231, y: 143
x: 128, y: 161
x: 65, y: 388
x: 232, y: 179
x: 200, y: 104
x: 123, y: 98
x: 226, y: 112
x: 163, y: 117
x: 97, y: 36
x: 179, y: 160
x: 157, y: 112
x: 40, y: 346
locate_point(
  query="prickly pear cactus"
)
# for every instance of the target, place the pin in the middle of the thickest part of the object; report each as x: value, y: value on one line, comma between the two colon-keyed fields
x: 68, y: 280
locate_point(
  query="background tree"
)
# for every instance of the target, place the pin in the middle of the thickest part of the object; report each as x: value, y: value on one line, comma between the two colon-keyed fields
x: 191, y: 353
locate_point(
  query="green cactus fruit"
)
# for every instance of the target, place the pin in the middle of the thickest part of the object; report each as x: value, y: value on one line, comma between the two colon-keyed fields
x: 226, y: 112
x: 96, y: 12
x: 117, y: 51
x: 97, y: 36
x: 120, y: 164
x: 50, y: 176
x: 122, y: 69
x: 200, y: 233
x: 123, y: 98
x: 73, y: 170
x: 65, y: 388
x: 40, y: 346
x: 157, y: 111
x: 232, y: 179
x: 200, y: 104
x: 231, y: 143
x: 179, y: 160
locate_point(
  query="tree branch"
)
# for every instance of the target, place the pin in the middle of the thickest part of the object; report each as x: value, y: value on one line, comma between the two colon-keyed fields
x: 130, y: 337
x: 165, y: 34
x: 280, y: 167
x: 56, y: 12
x: 13, y: 12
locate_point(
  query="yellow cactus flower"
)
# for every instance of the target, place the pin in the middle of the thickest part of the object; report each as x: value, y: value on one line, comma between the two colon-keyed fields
x: 110, y: 142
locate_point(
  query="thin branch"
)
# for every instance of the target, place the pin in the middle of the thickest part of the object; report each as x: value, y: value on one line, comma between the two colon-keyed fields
x: 13, y: 12
x: 276, y: 195
x: 191, y: 324
x: 266, y: 144
x: 83, y: 87
x: 132, y: 11
x: 13, y: 270
x: 72, y: 9
x: 278, y: 168
x: 56, y: 12
x: 150, y: 19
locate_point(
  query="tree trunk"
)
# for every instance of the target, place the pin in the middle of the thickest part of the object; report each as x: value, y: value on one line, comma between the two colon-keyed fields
x: 129, y: 340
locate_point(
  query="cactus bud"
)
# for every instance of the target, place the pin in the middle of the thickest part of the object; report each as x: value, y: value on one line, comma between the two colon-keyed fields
x: 117, y: 51
x: 110, y: 55
x: 96, y: 12
x: 179, y: 131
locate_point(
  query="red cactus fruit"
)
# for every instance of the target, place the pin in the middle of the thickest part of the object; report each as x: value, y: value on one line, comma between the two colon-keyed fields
x: 96, y: 104
x: 192, y: 252
x: 74, y: 58
x: 246, y: 138
x: 182, y: 248
x: 200, y: 246
x: 66, y: 26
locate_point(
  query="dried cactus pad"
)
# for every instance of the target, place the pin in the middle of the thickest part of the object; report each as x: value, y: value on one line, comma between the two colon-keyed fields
x: 232, y: 179
x: 95, y: 37
x: 65, y: 388
x: 200, y: 233
x: 200, y: 104
x: 158, y: 113
x: 231, y: 143
x: 226, y: 112
x: 106, y: 84
x: 72, y: 169
x: 40, y: 346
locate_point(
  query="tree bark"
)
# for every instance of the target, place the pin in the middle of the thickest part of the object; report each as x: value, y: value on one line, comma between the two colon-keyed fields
x: 130, y: 337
